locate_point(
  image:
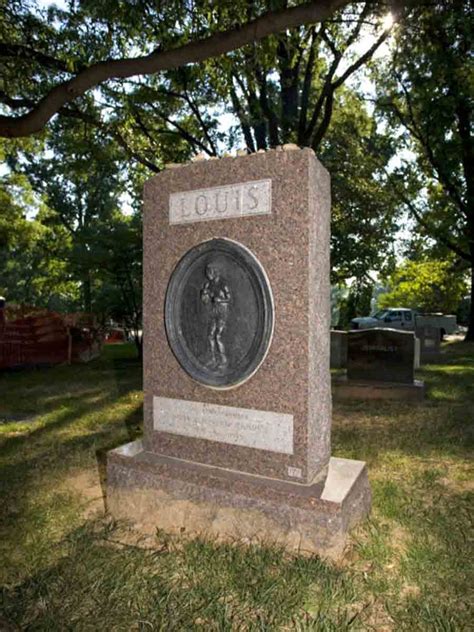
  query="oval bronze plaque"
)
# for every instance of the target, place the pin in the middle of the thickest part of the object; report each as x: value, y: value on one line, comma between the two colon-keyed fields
x: 219, y: 313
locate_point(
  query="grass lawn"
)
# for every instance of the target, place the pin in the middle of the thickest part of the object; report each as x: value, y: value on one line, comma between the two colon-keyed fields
x: 64, y: 566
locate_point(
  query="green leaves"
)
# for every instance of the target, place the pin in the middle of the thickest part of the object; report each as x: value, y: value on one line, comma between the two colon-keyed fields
x: 428, y: 285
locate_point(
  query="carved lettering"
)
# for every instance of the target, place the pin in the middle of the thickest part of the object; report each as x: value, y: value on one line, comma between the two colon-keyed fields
x: 203, y: 209
x: 258, y: 429
x: 218, y: 209
x: 383, y: 348
x: 184, y: 214
x: 237, y: 201
x: 233, y: 200
x: 253, y: 196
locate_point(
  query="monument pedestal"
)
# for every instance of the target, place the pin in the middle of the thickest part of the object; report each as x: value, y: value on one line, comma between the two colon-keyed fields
x: 343, y: 388
x: 188, y: 498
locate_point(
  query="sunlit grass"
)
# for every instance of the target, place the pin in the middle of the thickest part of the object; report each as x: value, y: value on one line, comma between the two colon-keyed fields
x: 64, y: 566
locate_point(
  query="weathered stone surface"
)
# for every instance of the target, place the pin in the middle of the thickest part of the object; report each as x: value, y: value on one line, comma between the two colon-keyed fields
x: 246, y: 459
x: 221, y: 202
x: 259, y: 429
x: 189, y: 499
x: 381, y: 355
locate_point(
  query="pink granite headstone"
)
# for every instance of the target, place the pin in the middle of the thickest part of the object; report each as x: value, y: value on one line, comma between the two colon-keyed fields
x: 252, y: 456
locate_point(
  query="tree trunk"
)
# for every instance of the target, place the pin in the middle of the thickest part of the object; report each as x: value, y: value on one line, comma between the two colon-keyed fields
x: 87, y: 293
x: 470, y: 328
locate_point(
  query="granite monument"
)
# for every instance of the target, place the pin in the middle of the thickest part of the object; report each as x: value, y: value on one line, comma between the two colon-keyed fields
x: 237, y: 390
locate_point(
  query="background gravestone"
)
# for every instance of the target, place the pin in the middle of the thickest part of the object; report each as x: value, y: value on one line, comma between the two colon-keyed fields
x: 417, y: 359
x: 381, y: 355
x: 430, y: 343
x: 380, y: 365
x: 338, y: 349
x: 236, y: 359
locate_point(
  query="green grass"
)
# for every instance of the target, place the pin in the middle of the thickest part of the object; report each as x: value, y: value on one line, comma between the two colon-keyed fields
x: 64, y: 566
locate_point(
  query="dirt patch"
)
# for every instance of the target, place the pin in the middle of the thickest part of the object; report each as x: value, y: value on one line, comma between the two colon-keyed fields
x: 377, y: 618
x: 400, y: 539
x: 86, y: 483
x: 410, y: 591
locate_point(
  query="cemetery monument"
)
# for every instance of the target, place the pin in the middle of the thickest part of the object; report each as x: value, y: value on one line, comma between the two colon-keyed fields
x: 237, y: 410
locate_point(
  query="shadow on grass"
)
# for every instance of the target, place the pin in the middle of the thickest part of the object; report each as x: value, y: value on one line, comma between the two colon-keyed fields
x: 133, y: 424
x: 42, y: 390
x: 441, y: 424
x: 91, y: 409
x: 198, y: 585
x: 434, y: 513
x: 76, y: 578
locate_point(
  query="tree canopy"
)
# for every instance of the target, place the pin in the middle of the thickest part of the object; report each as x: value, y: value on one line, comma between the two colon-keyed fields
x: 87, y: 50
x: 426, y: 91
x: 258, y: 84
x: 428, y: 285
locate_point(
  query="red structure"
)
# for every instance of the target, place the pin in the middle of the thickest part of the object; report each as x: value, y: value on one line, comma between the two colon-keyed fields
x: 34, y: 337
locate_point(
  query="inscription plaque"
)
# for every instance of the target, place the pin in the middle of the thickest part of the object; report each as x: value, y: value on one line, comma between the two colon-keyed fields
x: 233, y: 200
x: 219, y: 313
x: 259, y: 429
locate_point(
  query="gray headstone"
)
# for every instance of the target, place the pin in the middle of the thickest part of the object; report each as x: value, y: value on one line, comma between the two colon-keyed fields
x: 381, y: 355
x: 417, y: 361
x: 430, y: 342
x: 338, y: 349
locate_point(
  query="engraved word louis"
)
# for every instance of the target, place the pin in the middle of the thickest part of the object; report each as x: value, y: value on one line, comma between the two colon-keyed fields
x: 234, y: 200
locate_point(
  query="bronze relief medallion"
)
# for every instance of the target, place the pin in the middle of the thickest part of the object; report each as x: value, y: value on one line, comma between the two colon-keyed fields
x: 219, y: 313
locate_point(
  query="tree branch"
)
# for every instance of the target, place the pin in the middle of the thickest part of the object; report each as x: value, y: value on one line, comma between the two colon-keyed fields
x: 244, y: 123
x: 326, y: 98
x: 187, y: 136
x: 25, y: 53
x: 432, y: 230
x: 193, y: 52
x: 362, y: 60
x: 87, y: 118
x: 306, y: 90
x: 272, y: 119
x: 411, y: 125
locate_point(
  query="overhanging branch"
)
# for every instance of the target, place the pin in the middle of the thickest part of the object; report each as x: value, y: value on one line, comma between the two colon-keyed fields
x: 432, y: 230
x: 212, y: 46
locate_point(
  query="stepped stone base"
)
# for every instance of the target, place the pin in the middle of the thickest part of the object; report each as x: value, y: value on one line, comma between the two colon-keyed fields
x: 178, y: 496
x: 342, y: 388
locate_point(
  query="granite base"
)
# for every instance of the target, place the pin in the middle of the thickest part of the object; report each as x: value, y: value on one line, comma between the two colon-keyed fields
x: 178, y: 496
x: 343, y: 388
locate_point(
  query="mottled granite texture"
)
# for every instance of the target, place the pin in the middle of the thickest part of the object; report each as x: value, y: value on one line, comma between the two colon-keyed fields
x: 342, y: 388
x: 191, y: 499
x: 292, y: 244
